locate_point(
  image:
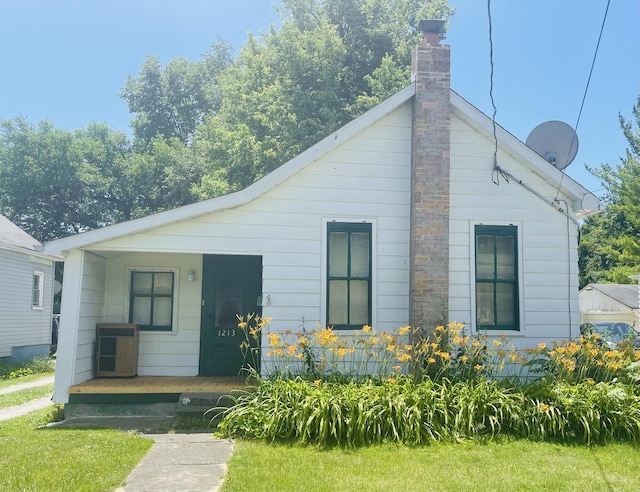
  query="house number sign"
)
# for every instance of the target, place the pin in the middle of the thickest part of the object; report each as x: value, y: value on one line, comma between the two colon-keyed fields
x: 226, y: 333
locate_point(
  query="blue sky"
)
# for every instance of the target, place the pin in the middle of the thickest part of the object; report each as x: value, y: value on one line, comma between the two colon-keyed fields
x: 66, y: 60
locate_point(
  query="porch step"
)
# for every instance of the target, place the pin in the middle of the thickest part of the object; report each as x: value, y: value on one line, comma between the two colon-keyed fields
x: 99, y: 409
x: 197, y: 404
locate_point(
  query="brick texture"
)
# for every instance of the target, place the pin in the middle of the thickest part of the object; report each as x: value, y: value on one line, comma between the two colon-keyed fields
x: 429, y: 230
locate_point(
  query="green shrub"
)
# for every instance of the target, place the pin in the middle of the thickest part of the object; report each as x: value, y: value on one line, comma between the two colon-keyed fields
x: 367, y: 412
x: 37, y: 365
x: 586, y: 412
x: 363, y: 387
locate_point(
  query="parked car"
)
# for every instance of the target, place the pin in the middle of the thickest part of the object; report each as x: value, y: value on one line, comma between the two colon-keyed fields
x: 612, y: 333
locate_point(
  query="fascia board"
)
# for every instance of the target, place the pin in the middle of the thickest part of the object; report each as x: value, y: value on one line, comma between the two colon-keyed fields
x: 31, y: 252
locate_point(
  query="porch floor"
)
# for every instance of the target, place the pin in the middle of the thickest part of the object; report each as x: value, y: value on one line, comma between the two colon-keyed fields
x: 159, y: 385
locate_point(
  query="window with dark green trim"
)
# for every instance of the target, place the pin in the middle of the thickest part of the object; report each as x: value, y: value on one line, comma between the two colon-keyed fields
x: 348, y: 275
x: 151, y: 300
x: 496, y: 277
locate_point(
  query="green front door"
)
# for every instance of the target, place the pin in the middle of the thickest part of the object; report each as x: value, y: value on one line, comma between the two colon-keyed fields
x: 231, y: 286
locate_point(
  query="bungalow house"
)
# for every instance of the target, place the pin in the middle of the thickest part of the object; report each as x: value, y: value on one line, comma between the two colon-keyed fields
x: 26, y: 295
x: 412, y: 213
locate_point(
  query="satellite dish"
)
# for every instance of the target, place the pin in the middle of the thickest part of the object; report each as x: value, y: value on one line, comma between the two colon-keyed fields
x: 555, y: 141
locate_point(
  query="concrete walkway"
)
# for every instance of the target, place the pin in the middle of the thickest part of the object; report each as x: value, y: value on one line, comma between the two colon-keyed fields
x: 9, y: 413
x: 176, y: 462
x: 181, y: 462
x: 20, y: 386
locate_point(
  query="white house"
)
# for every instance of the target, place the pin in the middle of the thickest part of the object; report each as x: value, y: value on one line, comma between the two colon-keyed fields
x: 401, y: 216
x: 26, y: 294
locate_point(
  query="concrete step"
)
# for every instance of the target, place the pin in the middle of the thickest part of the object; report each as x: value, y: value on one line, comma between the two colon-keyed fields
x: 158, y: 409
x: 198, y: 404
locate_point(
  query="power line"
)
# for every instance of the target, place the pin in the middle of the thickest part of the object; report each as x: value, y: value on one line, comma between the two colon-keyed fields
x: 586, y: 89
x: 497, y: 172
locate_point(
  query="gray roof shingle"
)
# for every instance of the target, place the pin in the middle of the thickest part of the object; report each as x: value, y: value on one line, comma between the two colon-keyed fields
x: 12, y: 235
x: 627, y: 294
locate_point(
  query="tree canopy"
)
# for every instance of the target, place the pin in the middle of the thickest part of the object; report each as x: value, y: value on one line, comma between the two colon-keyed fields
x: 204, y: 128
x: 610, y: 245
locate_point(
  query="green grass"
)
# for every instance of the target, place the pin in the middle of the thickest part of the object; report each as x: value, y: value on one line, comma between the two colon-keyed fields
x: 508, y: 466
x: 51, y: 459
x: 25, y: 395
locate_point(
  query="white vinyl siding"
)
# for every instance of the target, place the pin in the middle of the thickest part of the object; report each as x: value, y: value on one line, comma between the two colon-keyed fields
x: 20, y: 324
x: 367, y: 176
x: 547, y: 238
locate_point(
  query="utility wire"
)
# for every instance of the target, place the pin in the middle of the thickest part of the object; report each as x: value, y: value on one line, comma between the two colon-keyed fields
x: 586, y: 89
x: 497, y: 172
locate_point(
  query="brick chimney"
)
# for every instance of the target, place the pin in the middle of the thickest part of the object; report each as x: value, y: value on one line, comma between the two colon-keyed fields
x: 429, y: 226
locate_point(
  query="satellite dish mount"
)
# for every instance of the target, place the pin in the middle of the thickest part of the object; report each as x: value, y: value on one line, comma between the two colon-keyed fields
x: 555, y: 141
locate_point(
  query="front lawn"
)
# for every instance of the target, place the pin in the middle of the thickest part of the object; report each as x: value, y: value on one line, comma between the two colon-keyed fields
x: 33, y: 458
x: 514, y: 465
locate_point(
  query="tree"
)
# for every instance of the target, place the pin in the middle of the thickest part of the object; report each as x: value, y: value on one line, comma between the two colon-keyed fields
x: 55, y: 183
x: 329, y: 62
x: 172, y: 101
x: 610, y: 245
x: 41, y: 180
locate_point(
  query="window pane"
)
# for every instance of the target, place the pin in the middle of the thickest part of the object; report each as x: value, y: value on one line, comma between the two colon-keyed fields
x: 337, y: 302
x: 141, y: 312
x: 227, y: 311
x: 162, y: 311
x: 359, y: 302
x: 484, y: 257
x: 36, y: 294
x: 142, y: 282
x: 359, y: 254
x: 338, y: 257
x: 505, y: 257
x: 163, y: 283
x: 505, y: 300
x: 485, y: 304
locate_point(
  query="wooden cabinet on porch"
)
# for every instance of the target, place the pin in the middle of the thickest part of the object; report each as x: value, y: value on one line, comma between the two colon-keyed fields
x: 117, y: 349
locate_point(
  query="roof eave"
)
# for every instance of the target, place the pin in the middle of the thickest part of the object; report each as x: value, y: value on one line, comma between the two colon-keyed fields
x: 583, y: 202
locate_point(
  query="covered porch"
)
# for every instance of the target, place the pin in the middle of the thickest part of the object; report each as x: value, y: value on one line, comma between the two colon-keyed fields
x: 159, y: 396
x: 159, y: 385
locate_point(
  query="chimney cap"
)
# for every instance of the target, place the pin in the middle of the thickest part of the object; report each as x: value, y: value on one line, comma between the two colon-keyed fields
x: 431, y: 25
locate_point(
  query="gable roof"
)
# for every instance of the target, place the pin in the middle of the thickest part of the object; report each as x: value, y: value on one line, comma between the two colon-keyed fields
x: 626, y: 294
x: 582, y: 198
x: 12, y: 237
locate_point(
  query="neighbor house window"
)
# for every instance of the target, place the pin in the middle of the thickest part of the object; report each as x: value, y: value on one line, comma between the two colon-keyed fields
x: 36, y: 292
x: 496, y: 277
x: 348, y: 275
x: 151, y: 300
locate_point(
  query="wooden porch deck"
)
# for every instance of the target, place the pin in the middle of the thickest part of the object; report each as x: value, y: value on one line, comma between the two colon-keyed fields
x: 159, y: 385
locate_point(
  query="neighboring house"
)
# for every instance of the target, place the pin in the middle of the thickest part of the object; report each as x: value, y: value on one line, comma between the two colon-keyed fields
x: 610, y: 302
x: 397, y: 218
x: 26, y: 294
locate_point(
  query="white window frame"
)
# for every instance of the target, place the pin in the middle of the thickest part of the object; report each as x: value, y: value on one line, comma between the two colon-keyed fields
x: 521, y: 332
x: 40, y: 290
x: 324, y: 266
